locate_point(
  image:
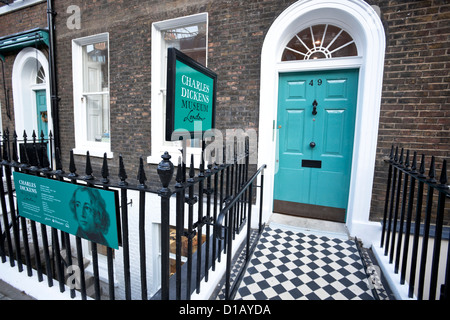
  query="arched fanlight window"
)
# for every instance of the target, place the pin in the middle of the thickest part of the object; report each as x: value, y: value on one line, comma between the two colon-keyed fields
x: 40, y: 76
x: 322, y: 41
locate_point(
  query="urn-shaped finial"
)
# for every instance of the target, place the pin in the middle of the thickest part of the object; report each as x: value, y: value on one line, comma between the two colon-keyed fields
x: 165, y: 170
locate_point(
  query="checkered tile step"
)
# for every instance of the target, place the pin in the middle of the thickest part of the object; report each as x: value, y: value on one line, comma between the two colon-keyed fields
x: 291, y: 266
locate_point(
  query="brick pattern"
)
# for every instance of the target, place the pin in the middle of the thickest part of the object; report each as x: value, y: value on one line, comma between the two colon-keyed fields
x: 415, y: 110
x: 24, y: 19
x: 236, y: 33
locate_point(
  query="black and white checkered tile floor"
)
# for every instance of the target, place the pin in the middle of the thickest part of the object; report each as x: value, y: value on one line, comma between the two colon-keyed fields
x: 289, y: 265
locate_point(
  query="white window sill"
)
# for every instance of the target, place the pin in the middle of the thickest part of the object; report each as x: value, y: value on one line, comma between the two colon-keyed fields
x: 94, y: 151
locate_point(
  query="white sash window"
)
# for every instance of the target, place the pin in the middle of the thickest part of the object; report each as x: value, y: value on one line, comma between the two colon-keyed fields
x: 91, y: 95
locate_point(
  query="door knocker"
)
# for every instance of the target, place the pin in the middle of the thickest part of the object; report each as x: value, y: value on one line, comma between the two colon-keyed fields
x: 315, y: 104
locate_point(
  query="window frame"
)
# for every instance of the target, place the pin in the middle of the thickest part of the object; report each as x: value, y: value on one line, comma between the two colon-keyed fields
x: 158, y: 89
x: 82, y: 144
x: 17, y: 5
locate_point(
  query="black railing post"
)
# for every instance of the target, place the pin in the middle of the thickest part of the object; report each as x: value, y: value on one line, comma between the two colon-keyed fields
x: 7, y: 233
x: 417, y: 221
x: 125, y: 240
x: 229, y: 232
x: 165, y: 171
x: 438, y: 231
x: 249, y: 222
x: 427, y: 222
x: 397, y: 203
x: 190, y: 234
x: 66, y: 240
x: 386, y: 201
x: 143, y: 266
x: 179, y: 186
x: 12, y: 209
x: 73, y: 175
x: 261, y: 194
x: 25, y: 166
x: 94, y: 249
x: 391, y: 205
x: 199, y: 224
x: 402, y: 213
x: 207, y: 219
x: 413, y: 174
x: 216, y: 190
x: 109, y: 251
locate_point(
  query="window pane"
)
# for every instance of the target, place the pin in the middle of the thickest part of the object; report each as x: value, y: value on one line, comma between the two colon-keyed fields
x: 322, y: 41
x: 97, y: 117
x: 40, y: 76
x: 95, y: 67
x: 191, y: 40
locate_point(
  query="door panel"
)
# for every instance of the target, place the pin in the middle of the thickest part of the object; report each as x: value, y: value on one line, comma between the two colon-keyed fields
x: 42, y: 115
x: 333, y: 132
x: 297, y: 90
x: 295, y: 120
x: 316, y: 120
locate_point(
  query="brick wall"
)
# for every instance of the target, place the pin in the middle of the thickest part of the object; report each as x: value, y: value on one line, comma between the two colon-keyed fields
x: 415, y: 108
x: 24, y: 19
x: 236, y: 33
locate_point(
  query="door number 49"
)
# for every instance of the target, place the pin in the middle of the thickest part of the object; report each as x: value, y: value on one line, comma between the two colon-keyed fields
x: 319, y: 82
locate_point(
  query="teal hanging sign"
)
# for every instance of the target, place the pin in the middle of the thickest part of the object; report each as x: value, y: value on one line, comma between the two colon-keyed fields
x: 191, y: 96
x: 87, y: 212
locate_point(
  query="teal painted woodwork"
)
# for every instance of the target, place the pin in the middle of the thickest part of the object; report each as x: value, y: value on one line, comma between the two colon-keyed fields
x: 331, y: 130
x: 42, y: 116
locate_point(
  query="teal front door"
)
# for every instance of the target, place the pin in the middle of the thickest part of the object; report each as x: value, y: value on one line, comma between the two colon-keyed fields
x: 41, y: 109
x: 316, y: 123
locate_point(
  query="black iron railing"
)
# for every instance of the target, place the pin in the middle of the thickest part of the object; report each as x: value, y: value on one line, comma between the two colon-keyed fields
x: 405, y: 220
x: 212, y: 205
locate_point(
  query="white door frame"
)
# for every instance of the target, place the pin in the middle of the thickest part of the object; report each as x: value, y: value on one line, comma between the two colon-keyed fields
x: 24, y: 94
x: 362, y: 22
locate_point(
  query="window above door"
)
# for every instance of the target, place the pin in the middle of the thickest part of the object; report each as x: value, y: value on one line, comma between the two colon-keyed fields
x: 321, y: 41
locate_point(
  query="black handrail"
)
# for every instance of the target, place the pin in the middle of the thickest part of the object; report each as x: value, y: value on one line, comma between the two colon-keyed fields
x: 231, y: 202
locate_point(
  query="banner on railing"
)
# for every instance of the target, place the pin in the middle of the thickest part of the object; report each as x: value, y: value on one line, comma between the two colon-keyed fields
x: 87, y: 212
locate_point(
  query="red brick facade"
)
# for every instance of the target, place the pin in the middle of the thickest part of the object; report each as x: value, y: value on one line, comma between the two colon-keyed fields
x: 415, y: 103
x: 415, y: 107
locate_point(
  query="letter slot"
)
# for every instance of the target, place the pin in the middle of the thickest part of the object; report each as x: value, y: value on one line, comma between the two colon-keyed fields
x: 312, y: 164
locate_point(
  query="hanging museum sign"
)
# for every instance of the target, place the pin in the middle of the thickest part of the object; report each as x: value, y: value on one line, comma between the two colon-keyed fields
x: 83, y: 211
x: 191, y: 96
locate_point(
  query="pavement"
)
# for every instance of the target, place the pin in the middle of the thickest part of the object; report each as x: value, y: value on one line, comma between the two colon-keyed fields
x: 8, y: 292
